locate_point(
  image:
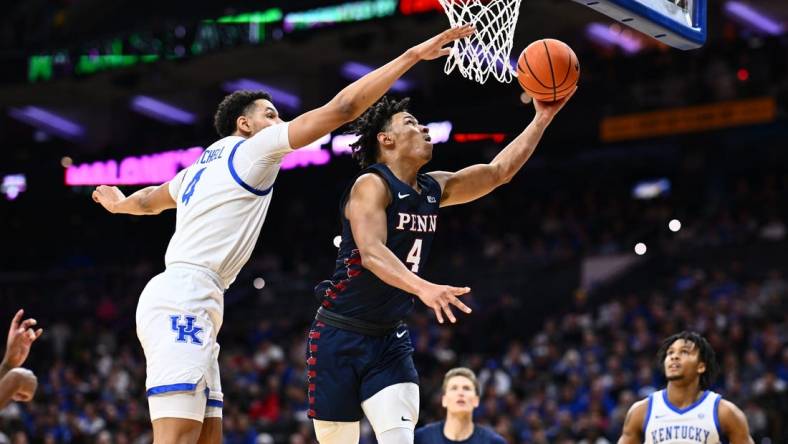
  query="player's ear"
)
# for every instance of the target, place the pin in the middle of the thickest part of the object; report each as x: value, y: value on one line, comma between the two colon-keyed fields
x: 384, y: 139
x: 701, y: 367
x: 444, y: 404
x: 243, y: 124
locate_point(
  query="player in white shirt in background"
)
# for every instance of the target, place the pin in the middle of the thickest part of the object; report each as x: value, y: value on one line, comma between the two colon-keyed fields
x: 686, y: 412
x: 221, y: 202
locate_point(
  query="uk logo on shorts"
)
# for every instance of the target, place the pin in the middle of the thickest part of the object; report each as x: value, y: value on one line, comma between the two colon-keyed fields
x: 186, y: 332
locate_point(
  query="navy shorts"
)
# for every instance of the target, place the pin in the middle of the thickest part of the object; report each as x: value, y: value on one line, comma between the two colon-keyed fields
x: 346, y: 368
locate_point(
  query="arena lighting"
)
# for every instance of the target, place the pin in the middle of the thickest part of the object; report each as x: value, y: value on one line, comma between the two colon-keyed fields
x: 346, y: 12
x: 753, y: 18
x: 133, y: 170
x: 261, y: 17
x: 162, y: 111
x: 13, y: 185
x: 410, y: 7
x: 311, y: 154
x: 280, y: 96
x: 47, y: 121
x: 356, y: 70
x: 478, y: 137
x: 439, y: 132
x: 650, y: 189
x: 607, y: 36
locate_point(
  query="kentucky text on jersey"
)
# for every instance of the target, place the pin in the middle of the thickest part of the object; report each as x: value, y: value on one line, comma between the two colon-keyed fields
x: 210, y: 155
x: 683, y: 432
x: 418, y: 223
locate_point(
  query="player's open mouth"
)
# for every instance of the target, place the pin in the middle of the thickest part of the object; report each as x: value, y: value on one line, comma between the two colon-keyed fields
x: 674, y: 367
x: 428, y: 138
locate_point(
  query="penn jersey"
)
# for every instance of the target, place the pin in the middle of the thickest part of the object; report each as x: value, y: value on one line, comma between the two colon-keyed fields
x: 222, y: 200
x: 698, y: 423
x: 433, y: 434
x: 411, y: 220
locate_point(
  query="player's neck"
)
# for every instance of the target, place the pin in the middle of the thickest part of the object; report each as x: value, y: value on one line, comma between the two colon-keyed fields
x: 405, y: 171
x: 458, y: 427
x: 682, y: 396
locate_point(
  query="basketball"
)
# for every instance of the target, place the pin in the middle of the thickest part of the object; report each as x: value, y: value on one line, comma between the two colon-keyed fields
x: 548, y: 70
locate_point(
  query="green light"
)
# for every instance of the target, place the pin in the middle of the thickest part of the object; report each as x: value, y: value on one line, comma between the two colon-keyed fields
x: 347, y: 12
x: 92, y: 64
x: 39, y: 68
x: 268, y: 16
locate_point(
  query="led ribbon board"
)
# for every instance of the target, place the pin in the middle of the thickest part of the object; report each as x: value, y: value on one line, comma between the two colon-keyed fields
x: 677, y: 23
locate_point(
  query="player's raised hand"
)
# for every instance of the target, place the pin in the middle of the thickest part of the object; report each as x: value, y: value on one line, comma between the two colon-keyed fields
x: 21, y: 336
x: 440, y: 298
x: 108, y: 197
x: 550, y: 109
x: 435, y: 47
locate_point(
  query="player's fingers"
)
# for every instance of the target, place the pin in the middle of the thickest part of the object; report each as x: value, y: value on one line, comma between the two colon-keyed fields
x: 449, y: 314
x: 39, y: 332
x: 27, y: 323
x: 444, y: 52
x: 438, y: 315
x: 457, y: 303
x: 458, y: 291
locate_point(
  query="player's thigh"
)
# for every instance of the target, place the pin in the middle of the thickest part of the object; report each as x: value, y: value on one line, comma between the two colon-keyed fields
x: 335, y: 432
x: 395, y: 406
x: 176, y: 431
x: 211, y: 431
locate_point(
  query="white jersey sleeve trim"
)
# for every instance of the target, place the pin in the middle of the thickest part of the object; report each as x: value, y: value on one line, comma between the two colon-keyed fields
x: 238, y: 179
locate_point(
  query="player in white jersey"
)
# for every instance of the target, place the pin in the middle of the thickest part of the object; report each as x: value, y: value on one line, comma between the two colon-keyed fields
x: 221, y: 202
x: 686, y: 411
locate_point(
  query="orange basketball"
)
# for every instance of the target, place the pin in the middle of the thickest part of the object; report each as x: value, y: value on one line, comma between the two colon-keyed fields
x: 548, y: 70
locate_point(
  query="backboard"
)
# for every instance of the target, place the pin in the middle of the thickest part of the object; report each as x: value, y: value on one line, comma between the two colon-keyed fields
x: 677, y: 23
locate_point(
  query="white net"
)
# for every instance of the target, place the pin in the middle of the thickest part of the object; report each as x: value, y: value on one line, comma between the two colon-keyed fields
x: 487, y: 50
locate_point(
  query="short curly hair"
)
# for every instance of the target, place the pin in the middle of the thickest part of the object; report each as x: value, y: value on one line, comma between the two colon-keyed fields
x: 706, y: 355
x: 233, y: 106
x: 374, y: 120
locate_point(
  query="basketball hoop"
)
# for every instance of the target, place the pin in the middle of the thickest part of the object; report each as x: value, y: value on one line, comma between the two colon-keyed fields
x: 487, y: 50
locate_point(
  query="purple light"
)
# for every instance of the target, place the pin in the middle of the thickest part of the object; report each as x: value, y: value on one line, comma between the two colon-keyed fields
x: 47, y: 121
x: 355, y: 70
x: 280, y: 96
x: 603, y: 35
x: 754, y: 18
x: 133, y: 170
x: 311, y: 154
x: 13, y: 185
x: 341, y: 143
x: 161, y: 111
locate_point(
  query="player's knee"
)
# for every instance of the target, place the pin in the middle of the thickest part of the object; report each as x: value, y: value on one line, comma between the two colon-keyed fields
x: 332, y: 432
x: 399, y: 435
x: 176, y: 431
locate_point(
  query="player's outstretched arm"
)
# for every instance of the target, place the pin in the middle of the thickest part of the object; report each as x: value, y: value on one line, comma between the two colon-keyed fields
x: 21, y: 336
x: 18, y: 384
x: 147, y: 201
x: 733, y: 423
x: 632, y: 432
x: 366, y: 210
x: 475, y: 181
x: 361, y: 94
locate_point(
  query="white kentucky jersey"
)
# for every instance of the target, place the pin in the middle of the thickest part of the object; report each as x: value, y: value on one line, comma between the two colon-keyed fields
x: 697, y: 423
x: 222, y: 200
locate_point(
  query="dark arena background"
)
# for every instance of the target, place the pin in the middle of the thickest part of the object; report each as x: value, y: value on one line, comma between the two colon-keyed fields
x: 656, y: 202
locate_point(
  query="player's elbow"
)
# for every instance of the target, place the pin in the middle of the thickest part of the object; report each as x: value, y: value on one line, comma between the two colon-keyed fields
x: 501, y: 175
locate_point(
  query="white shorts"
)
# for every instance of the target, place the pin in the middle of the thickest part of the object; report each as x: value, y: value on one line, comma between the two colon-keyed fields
x: 179, y: 315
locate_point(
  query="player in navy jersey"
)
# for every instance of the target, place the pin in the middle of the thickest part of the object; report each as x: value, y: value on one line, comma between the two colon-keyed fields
x: 461, y: 393
x: 686, y: 411
x: 359, y: 354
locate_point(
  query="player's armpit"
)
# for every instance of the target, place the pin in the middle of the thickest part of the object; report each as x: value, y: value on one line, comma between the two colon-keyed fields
x: 733, y: 423
x: 467, y: 184
x: 632, y: 433
x: 366, y: 211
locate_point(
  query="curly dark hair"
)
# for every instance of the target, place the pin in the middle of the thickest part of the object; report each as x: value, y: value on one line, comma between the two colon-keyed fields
x: 233, y: 106
x: 705, y: 354
x: 374, y: 120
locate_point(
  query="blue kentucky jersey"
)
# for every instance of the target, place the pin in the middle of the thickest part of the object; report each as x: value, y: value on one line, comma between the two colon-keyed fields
x: 433, y: 434
x: 412, y: 219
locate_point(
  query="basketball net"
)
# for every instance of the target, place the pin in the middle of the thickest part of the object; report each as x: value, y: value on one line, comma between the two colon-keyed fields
x: 487, y: 50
